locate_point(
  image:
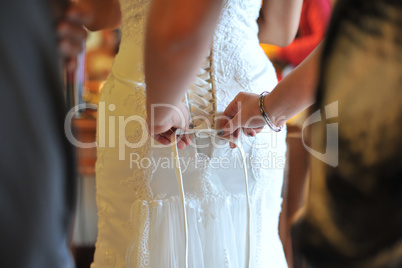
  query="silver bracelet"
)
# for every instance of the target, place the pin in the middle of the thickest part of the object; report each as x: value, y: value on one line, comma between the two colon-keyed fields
x: 265, y: 115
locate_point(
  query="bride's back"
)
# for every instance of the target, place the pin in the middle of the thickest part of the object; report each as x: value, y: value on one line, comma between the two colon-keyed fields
x: 239, y: 64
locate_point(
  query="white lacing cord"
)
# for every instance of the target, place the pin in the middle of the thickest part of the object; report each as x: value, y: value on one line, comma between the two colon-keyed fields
x: 179, y: 176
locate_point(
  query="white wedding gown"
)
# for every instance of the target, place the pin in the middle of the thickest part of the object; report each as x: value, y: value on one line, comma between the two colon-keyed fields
x: 139, y: 206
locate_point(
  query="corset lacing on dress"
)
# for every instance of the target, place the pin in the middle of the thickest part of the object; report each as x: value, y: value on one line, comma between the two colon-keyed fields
x: 201, y: 97
x: 202, y: 105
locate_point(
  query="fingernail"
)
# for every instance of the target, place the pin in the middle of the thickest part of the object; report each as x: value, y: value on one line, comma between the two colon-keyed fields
x: 191, y: 126
x: 220, y: 132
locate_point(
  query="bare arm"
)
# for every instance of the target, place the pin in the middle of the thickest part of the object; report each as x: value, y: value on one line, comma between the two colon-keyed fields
x: 179, y: 34
x: 296, y: 91
x: 105, y: 14
x: 292, y: 95
x: 279, y: 21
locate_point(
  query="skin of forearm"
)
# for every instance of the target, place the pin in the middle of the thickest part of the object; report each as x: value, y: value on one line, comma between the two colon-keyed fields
x: 105, y: 14
x: 279, y: 21
x: 296, y: 91
x: 179, y: 35
x: 168, y: 75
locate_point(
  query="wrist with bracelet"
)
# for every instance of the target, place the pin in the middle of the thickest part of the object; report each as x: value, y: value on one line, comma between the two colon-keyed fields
x: 264, y: 113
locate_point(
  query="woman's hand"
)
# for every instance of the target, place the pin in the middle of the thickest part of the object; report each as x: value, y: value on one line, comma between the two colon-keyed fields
x: 179, y: 119
x: 242, y: 113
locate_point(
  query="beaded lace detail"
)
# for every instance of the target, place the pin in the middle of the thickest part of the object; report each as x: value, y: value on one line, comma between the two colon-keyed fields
x: 134, y: 15
x: 237, y: 25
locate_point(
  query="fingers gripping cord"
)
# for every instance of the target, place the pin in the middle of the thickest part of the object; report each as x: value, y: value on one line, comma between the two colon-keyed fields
x: 179, y: 176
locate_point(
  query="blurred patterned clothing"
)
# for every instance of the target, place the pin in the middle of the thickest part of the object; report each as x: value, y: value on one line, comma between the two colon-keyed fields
x: 353, y: 216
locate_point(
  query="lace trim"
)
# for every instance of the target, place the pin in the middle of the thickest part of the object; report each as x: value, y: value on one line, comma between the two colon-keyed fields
x: 237, y: 24
x: 138, y: 182
x: 138, y: 252
x: 134, y: 17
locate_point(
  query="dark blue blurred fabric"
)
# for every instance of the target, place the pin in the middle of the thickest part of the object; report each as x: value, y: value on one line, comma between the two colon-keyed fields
x: 36, y: 162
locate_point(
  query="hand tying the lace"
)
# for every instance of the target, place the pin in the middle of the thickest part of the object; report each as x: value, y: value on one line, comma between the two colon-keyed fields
x: 242, y: 114
x: 292, y: 95
x: 162, y: 131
